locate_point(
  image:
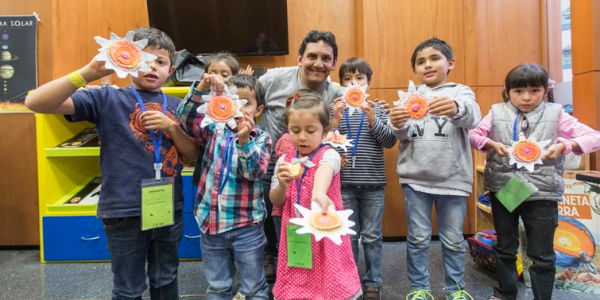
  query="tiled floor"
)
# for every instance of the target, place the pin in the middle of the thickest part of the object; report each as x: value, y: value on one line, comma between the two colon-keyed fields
x: 23, y: 277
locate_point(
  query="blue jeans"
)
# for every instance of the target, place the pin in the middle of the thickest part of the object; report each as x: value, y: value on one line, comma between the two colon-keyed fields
x: 540, y: 219
x: 129, y: 248
x: 367, y: 204
x: 244, y: 246
x: 450, y: 212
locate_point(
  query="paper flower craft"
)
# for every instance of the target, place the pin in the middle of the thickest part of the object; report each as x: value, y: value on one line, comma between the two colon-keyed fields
x: 527, y: 152
x: 332, y: 225
x: 124, y: 55
x: 416, y: 103
x: 355, y: 96
x: 221, y: 109
x: 335, y: 139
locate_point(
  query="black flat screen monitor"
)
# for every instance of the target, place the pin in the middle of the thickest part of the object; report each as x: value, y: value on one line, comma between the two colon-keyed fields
x: 240, y: 27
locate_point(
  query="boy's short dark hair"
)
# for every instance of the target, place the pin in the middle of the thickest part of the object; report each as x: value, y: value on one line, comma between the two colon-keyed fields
x: 314, y: 36
x: 223, y: 56
x: 250, y: 82
x: 354, y: 64
x: 525, y: 75
x: 156, y: 39
x: 436, y: 44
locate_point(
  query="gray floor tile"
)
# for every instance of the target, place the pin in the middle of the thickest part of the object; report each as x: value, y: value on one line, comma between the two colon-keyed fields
x: 23, y: 277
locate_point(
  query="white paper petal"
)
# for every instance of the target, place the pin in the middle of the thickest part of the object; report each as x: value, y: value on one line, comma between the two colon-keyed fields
x: 141, y: 43
x: 335, y: 236
x: 129, y: 35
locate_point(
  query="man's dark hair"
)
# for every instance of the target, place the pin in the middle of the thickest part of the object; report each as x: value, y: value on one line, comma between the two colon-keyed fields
x: 248, y: 81
x: 315, y: 36
x: 156, y: 39
x: 354, y: 64
x: 434, y: 43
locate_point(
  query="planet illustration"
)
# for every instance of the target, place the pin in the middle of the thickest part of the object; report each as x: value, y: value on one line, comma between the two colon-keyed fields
x: 7, y: 56
x: 7, y: 71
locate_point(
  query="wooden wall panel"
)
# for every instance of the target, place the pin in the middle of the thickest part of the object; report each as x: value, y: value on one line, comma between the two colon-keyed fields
x: 585, y: 49
x: 500, y: 35
x: 392, y: 30
x: 74, y: 35
x: 19, y: 179
x: 336, y: 16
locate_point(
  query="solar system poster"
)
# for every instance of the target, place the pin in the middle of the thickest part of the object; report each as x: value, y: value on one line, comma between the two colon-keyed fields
x: 18, y: 70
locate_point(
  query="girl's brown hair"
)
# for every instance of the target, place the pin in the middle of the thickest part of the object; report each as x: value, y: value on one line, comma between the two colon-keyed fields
x: 305, y: 99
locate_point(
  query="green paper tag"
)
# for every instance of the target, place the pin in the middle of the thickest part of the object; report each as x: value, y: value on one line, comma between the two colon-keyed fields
x: 299, y: 248
x: 157, y: 203
x: 515, y: 192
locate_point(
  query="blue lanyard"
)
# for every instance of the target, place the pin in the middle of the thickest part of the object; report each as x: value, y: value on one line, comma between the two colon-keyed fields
x: 155, y: 142
x: 362, y: 121
x: 227, y: 156
x: 299, y: 183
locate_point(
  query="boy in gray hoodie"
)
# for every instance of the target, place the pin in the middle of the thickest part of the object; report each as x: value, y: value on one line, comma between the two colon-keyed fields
x: 435, y: 166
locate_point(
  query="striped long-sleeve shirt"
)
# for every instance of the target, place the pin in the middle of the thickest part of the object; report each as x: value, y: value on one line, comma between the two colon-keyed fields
x: 369, y: 166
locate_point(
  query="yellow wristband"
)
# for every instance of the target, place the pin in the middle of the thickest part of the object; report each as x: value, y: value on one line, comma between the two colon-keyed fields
x: 76, y: 79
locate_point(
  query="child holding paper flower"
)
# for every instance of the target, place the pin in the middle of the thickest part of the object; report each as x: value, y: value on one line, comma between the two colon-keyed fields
x: 524, y: 110
x: 333, y: 273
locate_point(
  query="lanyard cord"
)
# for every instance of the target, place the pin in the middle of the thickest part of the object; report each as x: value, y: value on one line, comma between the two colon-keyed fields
x: 299, y: 184
x: 362, y: 121
x: 156, y: 142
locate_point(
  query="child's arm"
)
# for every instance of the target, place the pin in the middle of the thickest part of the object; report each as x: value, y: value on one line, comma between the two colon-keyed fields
x: 284, y: 145
x: 254, y: 149
x: 54, y: 96
x: 462, y: 110
x: 328, y: 167
x: 383, y: 134
x: 479, y: 140
x: 156, y: 120
x: 581, y: 138
x: 398, y: 118
x: 323, y: 178
x: 280, y: 182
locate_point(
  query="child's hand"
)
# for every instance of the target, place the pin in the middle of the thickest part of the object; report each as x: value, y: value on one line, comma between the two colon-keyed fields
x: 338, y: 109
x: 211, y: 80
x: 344, y: 161
x: 95, y: 70
x: 443, y: 106
x: 499, y: 148
x: 283, y: 175
x: 554, y: 151
x: 384, y: 105
x: 398, y: 116
x: 322, y: 199
x: 369, y: 109
x: 245, y: 126
x: 247, y: 71
x: 156, y: 120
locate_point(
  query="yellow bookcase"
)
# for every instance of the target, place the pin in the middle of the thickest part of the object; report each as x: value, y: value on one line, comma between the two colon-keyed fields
x: 71, y: 232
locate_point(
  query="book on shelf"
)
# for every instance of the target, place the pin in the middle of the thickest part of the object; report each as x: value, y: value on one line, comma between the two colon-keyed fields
x: 87, y: 138
x: 89, y: 194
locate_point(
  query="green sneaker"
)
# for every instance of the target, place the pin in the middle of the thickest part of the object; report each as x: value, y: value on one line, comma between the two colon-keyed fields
x: 419, y: 295
x: 459, y: 295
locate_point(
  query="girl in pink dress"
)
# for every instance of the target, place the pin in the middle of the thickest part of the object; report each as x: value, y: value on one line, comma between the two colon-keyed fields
x: 333, y: 274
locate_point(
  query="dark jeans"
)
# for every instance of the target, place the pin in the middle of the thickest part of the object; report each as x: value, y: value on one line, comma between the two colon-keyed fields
x: 129, y: 248
x: 270, y: 232
x: 540, y: 219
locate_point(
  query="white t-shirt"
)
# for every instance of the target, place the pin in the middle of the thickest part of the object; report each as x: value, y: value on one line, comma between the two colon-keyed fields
x: 330, y: 158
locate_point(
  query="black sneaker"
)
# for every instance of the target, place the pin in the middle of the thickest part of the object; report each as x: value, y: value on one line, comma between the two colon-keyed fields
x: 270, y: 269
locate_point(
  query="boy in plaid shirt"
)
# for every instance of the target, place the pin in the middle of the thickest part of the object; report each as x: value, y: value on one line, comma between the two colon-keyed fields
x: 229, y: 207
